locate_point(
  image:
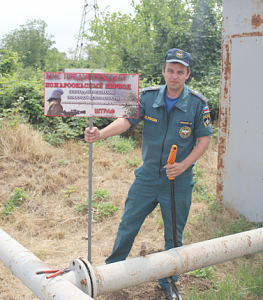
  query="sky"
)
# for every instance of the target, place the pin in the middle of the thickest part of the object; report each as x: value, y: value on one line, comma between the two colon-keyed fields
x: 62, y: 17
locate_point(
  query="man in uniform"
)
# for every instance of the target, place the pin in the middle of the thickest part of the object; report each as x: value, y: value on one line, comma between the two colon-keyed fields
x: 55, y: 107
x: 173, y: 114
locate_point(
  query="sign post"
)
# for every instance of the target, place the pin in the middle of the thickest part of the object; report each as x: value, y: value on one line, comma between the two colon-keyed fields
x: 90, y: 195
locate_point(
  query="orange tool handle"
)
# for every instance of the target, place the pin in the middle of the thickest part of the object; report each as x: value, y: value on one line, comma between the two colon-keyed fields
x: 55, y: 274
x: 46, y: 271
x: 172, y: 157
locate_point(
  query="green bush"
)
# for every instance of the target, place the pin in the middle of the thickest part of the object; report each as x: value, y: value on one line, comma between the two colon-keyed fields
x: 100, y: 208
x: 100, y: 194
x: 103, y: 210
x: 133, y: 161
x: 121, y: 144
x: 207, y: 272
x: 8, y: 61
x: 16, y: 198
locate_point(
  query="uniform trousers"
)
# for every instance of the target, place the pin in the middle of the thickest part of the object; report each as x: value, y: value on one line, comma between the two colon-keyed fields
x: 144, y: 195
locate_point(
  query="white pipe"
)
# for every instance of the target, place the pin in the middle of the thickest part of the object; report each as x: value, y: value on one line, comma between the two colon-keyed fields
x: 132, y: 272
x: 24, y: 264
x: 125, y: 274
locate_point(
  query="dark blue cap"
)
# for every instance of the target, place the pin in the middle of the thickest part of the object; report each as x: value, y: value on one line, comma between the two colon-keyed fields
x: 178, y: 55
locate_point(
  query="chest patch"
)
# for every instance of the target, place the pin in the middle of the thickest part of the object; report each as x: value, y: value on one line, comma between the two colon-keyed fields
x: 150, y: 119
x: 185, y: 132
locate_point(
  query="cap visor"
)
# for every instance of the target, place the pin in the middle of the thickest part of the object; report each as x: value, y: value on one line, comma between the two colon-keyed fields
x: 179, y: 61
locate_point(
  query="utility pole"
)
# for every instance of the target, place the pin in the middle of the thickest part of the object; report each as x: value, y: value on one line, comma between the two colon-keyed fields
x: 89, y: 13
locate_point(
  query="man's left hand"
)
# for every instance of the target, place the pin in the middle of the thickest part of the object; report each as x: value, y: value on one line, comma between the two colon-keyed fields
x: 175, y: 169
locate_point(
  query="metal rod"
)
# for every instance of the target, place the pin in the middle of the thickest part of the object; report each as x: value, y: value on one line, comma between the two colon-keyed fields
x: 176, y: 261
x: 90, y: 182
x: 173, y: 213
x: 24, y: 264
x: 90, y: 195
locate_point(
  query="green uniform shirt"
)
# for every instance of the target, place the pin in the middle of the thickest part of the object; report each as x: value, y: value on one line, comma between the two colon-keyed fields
x: 189, y: 119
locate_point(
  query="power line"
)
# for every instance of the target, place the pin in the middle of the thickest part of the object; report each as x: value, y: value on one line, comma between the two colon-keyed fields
x: 89, y: 13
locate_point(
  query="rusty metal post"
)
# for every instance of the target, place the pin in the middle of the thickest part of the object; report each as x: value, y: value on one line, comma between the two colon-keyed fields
x: 240, y: 159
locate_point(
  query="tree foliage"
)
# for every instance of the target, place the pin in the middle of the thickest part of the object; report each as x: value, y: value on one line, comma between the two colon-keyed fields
x: 8, y: 62
x: 138, y: 43
x: 35, y: 47
x: 31, y: 42
x: 206, y: 38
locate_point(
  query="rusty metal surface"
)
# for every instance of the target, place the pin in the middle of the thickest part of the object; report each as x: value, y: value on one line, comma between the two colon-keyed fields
x: 242, y: 17
x: 132, y: 272
x: 240, y: 159
x: 224, y: 116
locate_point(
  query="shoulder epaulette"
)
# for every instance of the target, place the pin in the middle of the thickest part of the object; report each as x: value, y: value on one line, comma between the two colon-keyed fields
x: 148, y: 89
x: 199, y: 95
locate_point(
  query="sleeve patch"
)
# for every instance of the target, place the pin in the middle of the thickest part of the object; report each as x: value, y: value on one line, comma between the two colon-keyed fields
x: 206, y: 120
x: 199, y: 95
x: 148, y: 89
x: 206, y: 110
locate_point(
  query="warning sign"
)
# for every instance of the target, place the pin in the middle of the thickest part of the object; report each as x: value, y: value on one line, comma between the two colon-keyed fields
x: 91, y: 95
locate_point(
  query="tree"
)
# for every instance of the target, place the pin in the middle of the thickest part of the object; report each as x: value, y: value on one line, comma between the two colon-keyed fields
x: 31, y: 42
x: 137, y: 44
x: 55, y: 61
x: 8, y: 62
x: 206, y: 37
x: 112, y: 37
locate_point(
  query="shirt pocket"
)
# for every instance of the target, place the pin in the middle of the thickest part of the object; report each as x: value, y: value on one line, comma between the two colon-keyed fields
x: 150, y: 126
x: 184, y: 128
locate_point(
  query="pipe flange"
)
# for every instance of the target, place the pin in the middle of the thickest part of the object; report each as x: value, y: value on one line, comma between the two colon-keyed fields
x: 83, y: 280
x: 92, y: 277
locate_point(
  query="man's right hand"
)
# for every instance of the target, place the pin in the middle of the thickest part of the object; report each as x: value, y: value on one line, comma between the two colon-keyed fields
x: 92, y: 135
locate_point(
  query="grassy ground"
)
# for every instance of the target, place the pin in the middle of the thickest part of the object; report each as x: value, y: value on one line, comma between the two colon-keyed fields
x: 43, y: 204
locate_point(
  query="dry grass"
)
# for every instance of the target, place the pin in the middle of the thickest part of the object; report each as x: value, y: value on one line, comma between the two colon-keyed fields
x: 47, y: 222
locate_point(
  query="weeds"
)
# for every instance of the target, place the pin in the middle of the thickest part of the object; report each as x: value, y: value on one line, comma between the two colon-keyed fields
x: 200, y: 217
x: 13, y: 115
x: 121, y: 144
x: 197, y: 174
x: 61, y: 161
x: 18, y: 197
x: 186, y: 234
x: 229, y: 227
x: 103, y: 210
x: 67, y: 193
x: 53, y: 138
x: 133, y: 161
x: 100, y: 194
x: 251, y: 278
x: 38, y: 253
x: 100, y: 208
x: 207, y: 272
x: 214, y: 205
x: 246, y: 285
x: 228, y: 289
x: 159, y: 222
